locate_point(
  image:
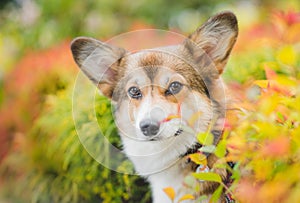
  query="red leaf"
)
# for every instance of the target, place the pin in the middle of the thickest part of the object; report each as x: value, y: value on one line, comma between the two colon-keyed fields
x: 277, y: 147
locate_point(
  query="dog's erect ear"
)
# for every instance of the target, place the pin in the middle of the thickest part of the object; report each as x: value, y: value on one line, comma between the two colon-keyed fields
x: 216, y: 37
x: 99, y: 61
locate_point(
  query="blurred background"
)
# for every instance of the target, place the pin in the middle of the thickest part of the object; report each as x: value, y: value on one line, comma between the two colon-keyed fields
x: 41, y: 157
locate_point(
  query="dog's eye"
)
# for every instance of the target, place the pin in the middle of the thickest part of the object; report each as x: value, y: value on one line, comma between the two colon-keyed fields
x: 174, y: 88
x: 134, y: 92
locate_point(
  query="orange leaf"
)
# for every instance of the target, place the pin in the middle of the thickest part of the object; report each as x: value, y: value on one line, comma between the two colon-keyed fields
x: 273, y: 85
x: 170, y: 117
x: 186, y: 197
x: 270, y: 74
x: 170, y: 192
x: 247, y: 191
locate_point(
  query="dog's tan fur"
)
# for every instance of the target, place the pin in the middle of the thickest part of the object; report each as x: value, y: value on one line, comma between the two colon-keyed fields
x: 196, y: 64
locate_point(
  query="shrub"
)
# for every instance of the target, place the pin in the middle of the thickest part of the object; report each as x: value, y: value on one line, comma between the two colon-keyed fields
x: 264, y: 131
x: 53, y: 166
x: 262, y: 125
x: 24, y: 89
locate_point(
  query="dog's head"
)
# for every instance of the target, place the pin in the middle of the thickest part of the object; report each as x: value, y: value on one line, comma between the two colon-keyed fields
x: 160, y: 93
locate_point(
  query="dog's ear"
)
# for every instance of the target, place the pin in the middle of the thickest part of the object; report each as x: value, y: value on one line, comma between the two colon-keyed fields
x: 99, y: 61
x: 216, y: 38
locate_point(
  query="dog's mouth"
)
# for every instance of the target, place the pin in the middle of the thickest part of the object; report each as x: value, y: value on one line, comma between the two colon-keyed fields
x: 193, y: 149
x: 178, y: 132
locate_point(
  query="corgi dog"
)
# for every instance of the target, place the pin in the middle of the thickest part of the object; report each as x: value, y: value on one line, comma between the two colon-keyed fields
x: 163, y: 97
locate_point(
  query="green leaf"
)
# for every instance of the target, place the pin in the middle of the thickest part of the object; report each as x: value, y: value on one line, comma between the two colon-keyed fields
x: 208, y: 149
x: 220, y: 150
x: 209, y: 176
x: 205, y: 138
x: 217, y: 194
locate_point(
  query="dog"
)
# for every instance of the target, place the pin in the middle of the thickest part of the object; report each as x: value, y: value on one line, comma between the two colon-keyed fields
x: 162, y: 98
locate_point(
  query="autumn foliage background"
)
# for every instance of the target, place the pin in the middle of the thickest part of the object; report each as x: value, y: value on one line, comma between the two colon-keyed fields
x: 42, y: 159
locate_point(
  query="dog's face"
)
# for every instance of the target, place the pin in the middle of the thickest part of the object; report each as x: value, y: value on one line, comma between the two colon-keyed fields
x: 155, y: 98
x: 161, y: 93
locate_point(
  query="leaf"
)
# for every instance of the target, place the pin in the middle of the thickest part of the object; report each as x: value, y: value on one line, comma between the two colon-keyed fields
x: 209, y: 176
x: 277, y: 147
x: 208, y: 149
x: 220, y: 150
x: 205, y: 138
x: 280, y: 117
x: 186, y: 197
x: 286, y: 81
x: 287, y: 55
x: 198, y: 158
x: 190, y: 181
x: 170, y: 117
x: 262, y: 83
x: 170, y: 192
x: 217, y: 194
x: 270, y: 73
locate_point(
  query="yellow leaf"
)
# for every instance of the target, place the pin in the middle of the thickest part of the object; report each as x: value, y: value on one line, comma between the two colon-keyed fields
x: 286, y: 81
x: 198, y: 158
x: 209, y: 176
x: 170, y: 192
x: 262, y: 83
x: 186, y: 197
x: 205, y: 138
x: 287, y: 55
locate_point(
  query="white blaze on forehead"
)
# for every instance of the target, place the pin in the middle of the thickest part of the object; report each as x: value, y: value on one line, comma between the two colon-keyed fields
x: 138, y: 78
x: 164, y: 76
x: 150, y: 109
x: 167, y: 75
x: 142, y: 111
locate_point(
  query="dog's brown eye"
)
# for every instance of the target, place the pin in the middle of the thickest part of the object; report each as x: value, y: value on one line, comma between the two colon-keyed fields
x: 134, y: 92
x: 174, y: 88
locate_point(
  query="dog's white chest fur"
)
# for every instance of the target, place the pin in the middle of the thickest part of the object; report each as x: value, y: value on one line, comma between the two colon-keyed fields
x: 172, y: 177
x: 160, y: 163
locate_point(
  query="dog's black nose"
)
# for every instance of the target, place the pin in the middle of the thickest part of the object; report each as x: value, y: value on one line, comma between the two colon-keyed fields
x: 149, y: 128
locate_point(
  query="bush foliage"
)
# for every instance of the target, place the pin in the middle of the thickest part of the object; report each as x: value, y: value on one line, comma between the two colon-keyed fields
x: 57, y: 168
x: 264, y: 134
x: 262, y: 126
